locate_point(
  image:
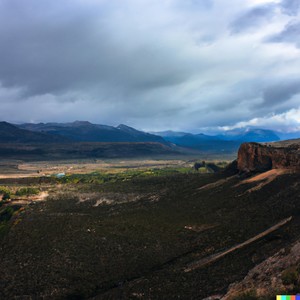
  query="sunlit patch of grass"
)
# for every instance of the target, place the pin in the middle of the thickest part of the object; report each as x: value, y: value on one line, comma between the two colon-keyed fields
x: 26, y: 191
x: 5, y: 193
x: 101, y: 177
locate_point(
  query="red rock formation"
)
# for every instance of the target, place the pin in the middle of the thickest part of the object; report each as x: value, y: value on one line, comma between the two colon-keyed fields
x: 253, y: 157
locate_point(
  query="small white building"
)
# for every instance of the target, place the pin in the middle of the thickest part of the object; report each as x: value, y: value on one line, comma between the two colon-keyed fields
x: 60, y: 175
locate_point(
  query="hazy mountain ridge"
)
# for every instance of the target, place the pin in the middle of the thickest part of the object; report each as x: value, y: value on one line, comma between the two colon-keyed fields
x: 250, y: 135
x: 227, y: 141
x: 83, y: 131
x: 245, y: 134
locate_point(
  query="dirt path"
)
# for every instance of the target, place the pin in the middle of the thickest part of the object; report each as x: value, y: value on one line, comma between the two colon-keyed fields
x: 202, y: 262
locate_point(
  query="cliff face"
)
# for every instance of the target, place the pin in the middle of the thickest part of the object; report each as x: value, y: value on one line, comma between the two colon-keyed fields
x: 253, y: 157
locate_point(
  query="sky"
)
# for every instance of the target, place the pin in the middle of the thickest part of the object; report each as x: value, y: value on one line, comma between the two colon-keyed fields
x: 190, y: 65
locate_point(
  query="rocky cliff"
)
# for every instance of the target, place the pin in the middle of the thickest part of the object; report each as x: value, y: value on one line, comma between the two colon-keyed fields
x: 279, y: 272
x: 254, y: 157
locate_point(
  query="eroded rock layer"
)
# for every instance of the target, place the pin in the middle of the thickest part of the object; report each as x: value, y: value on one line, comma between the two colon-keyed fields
x: 254, y: 157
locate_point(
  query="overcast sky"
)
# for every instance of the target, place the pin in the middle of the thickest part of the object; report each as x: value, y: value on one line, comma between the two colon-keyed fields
x: 152, y: 64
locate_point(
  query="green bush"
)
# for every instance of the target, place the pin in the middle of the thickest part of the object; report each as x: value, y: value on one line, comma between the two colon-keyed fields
x: 6, y: 214
x: 5, y: 192
x: 27, y: 191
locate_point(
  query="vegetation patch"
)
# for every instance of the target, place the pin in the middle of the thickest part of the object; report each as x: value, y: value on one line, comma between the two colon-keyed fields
x: 5, y: 193
x: 99, y: 177
x: 26, y: 191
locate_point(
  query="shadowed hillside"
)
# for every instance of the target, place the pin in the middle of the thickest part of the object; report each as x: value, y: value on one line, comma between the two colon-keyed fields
x: 12, y: 134
x: 83, y: 150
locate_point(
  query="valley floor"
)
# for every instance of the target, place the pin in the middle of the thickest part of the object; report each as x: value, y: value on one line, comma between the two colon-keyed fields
x: 133, y: 234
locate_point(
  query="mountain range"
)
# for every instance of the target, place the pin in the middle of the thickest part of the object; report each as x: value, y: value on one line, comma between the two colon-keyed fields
x: 226, y: 141
x: 12, y: 134
x: 83, y: 131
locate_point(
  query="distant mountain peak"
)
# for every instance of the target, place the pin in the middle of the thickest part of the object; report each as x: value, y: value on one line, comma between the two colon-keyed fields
x: 126, y: 128
x: 3, y: 123
x: 123, y: 126
x: 81, y: 123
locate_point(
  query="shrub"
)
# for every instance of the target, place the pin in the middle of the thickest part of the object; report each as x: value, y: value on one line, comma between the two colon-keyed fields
x: 27, y: 191
x: 6, y: 214
x: 5, y: 192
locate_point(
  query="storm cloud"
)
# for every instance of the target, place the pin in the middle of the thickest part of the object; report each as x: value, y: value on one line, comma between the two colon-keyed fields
x: 281, y: 91
x: 152, y: 64
x: 253, y: 18
x: 290, y: 34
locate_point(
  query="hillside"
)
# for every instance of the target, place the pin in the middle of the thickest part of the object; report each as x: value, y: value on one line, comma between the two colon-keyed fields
x: 83, y: 150
x: 81, y: 131
x: 78, y: 140
x: 12, y: 134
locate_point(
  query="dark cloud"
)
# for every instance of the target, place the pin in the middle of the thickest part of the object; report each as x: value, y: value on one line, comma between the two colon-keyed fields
x: 290, y: 34
x: 147, y: 63
x: 79, y: 46
x: 281, y: 91
x: 252, y: 18
x: 290, y: 7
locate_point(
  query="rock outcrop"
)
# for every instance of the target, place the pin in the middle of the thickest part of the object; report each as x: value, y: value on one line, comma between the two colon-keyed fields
x: 272, y: 275
x: 254, y: 157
